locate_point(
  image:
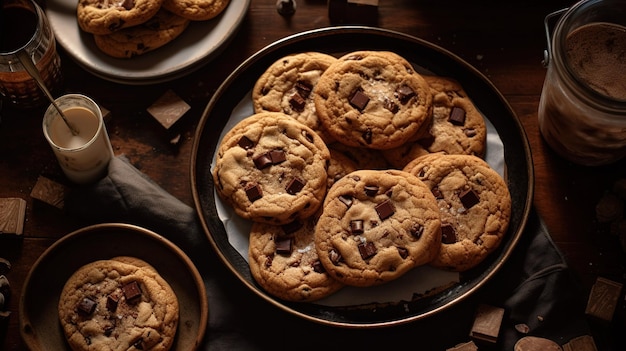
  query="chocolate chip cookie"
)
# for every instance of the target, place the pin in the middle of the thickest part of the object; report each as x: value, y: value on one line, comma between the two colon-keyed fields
x: 372, y: 99
x: 286, y: 87
x: 105, y: 17
x: 283, y: 261
x: 475, y: 206
x: 271, y: 168
x: 138, y: 40
x: 118, y: 304
x: 196, y: 10
x: 376, y: 226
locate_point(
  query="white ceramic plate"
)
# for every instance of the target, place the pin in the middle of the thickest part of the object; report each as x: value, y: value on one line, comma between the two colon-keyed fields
x: 198, y: 44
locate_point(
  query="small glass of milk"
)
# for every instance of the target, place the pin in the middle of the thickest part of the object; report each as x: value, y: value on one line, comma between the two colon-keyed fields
x: 83, y: 156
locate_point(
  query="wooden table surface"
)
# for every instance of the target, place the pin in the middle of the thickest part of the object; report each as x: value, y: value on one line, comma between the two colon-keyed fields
x: 504, y: 40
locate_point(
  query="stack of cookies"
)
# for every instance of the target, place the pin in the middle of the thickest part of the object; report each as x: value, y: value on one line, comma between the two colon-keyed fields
x: 128, y: 28
x: 118, y: 304
x: 355, y: 170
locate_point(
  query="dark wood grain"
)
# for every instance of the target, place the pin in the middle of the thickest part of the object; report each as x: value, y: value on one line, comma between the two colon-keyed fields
x: 504, y: 40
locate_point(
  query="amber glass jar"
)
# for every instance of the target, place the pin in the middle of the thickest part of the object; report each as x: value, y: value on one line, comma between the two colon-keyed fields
x: 582, y: 111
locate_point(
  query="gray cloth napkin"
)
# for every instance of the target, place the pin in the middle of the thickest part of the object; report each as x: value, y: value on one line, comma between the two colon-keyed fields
x: 534, y: 286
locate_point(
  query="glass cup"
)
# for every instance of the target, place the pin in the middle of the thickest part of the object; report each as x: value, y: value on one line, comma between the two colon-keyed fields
x: 83, y: 156
x: 24, y: 26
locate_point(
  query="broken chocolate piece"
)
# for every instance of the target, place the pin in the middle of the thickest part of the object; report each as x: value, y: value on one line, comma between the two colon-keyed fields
x: 295, y: 185
x: 371, y: 190
x: 254, y: 192
x: 112, y: 302
x: 297, y: 102
x: 86, y: 306
x: 405, y: 93
x: 303, y: 88
x: 245, y: 143
x: 385, y: 209
x: 283, y: 245
x: 404, y: 253
x: 335, y: 257
x: 437, y: 193
x: 367, y: 136
x: 318, y: 267
x: 131, y: 291
x: 359, y: 100
x: 448, y: 234
x: 277, y: 156
x: 356, y: 226
x: 263, y: 161
x: 391, y: 106
x: 346, y: 200
x: 457, y: 116
x: 367, y: 250
x: 417, y: 230
x: 469, y: 198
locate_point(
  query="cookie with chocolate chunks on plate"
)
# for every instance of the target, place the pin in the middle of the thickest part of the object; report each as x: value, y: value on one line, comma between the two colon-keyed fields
x: 286, y: 86
x: 118, y: 304
x: 271, y: 168
x: 284, y: 262
x: 106, y: 17
x: 475, y: 206
x: 457, y: 127
x: 372, y: 99
x: 376, y: 226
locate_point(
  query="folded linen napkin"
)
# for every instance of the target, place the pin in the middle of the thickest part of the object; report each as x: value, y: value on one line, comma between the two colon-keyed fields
x: 534, y: 286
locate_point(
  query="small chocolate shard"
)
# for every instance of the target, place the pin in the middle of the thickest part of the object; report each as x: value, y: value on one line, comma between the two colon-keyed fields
x: 356, y: 226
x: 448, y: 234
x: 457, y: 116
x: 367, y: 136
x: 391, y: 106
x: 334, y: 256
x: 131, y: 291
x: 253, y: 192
x: 367, y: 250
x: 297, y: 102
x: 371, y: 190
x: 86, y: 306
x: 245, y: 143
x: 437, y: 193
x: 404, y: 253
x: 385, y: 209
x: 112, y: 302
x: 304, y: 88
x: 346, y: 200
x: 469, y: 198
x: 405, y: 93
x: 263, y: 161
x: 283, y: 245
x: 318, y: 267
x: 295, y: 185
x: 417, y: 230
x: 359, y: 100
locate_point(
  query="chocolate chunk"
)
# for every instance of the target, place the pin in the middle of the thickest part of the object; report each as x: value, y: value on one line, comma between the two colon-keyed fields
x: 295, y: 185
x: 391, y: 106
x: 245, y: 143
x: 297, y: 102
x: 291, y: 227
x: 356, y: 226
x: 367, y: 136
x: 263, y: 161
x: 108, y: 330
x: 404, y: 253
x: 417, y: 230
x: 335, y: 257
x: 128, y: 4
x: 112, y: 301
x: 469, y: 198
x: 131, y: 290
x: 86, y: 306
x: 371, y: 190
x: 283, y: 245
x: 254, y: 192
x: 367, y: 250
x: 277, y: 156
x: 457, y: 116
x: 405, y: 93
x: 318, y: 267
x: 448, y: 234
x: 385, y: 209
x: 304, y: 88
x: 346, y: 200
x: 437, y: 193
x: 359, y: 100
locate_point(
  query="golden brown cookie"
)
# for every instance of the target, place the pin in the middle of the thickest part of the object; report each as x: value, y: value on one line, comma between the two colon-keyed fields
x: 376, y: 226
x: 118, y: 304
x: 286, y: 87
x: 475, y: 206
x: 105, y: 17
x: 138, y: 40
x: 271, y: 168
x: 372, y: 99
x: 196, y: 10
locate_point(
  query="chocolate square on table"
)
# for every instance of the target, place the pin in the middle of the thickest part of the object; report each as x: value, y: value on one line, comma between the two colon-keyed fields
x: 50, y: 192
x: 12, y: 213
x: 487, y: 323
x: 603, y: 299
x: 168, y: 109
